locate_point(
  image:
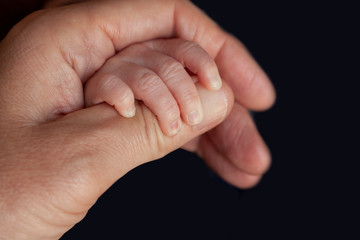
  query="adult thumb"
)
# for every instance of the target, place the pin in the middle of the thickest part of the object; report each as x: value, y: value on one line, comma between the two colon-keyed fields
x: 55, y: 171
x: 114, y: 145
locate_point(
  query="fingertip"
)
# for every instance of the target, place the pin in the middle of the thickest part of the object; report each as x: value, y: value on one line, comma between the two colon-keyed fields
x: 173, y: 129
x: 210, y: 77
x: 169, y: 119
x: 251, y: 85
x: 260, y: 161
x: 247, y: 181
x: 271, y: 98
x: 215, y: 82
x: 266, y: 93
x: 225, y: 168
x: 229, y: 96
x: 128, y: 113
x: 194, y: 117
x: 123, y: 101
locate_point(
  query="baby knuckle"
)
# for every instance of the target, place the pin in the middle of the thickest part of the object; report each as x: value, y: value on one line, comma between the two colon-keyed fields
x: 170, y: 69
x: 207, y: 62
x: 185, y: 47
x: 128, y: 53
x: 148, y: 80
x: 126, y: 96
x: 190, y: 98
x: 106, y: 82
x: 171, y: 109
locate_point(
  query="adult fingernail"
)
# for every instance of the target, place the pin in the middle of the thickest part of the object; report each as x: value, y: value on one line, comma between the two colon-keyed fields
x: 194, y: 117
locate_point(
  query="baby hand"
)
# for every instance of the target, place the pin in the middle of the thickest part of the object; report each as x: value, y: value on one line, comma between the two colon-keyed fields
x: 158, y: 72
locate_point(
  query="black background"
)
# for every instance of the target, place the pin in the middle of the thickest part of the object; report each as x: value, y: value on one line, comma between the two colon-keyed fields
x: 309, y: 51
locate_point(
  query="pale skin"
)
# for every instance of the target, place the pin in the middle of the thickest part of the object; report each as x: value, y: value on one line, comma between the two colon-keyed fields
x: 57, y: 157
x: 155, y: 72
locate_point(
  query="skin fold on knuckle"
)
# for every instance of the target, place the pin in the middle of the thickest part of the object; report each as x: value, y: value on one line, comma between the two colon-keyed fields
x: 170, y: 109
x: 104, y: 83
x: 148, y: 81
x: 123, y: 97
x: 170, y: 69
x: 185, y: 48
x: 192, y: 101
x: 207, y: 65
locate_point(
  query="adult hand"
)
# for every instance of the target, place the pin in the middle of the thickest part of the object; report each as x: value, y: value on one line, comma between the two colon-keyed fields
x: 57, y: 158
x: 251, y: 85
x: 235, y: 149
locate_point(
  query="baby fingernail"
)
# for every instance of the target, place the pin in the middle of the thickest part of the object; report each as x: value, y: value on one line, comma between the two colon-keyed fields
x: 216, y: 82
x: 174, y: 127
x: 130, y: 112
x: 194, y: 117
